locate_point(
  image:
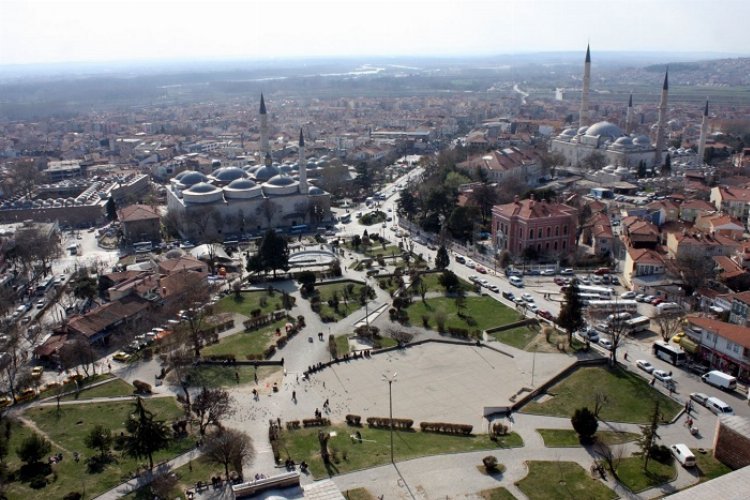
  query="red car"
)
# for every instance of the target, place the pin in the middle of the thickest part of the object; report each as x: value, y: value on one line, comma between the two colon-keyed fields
x: 480, y: 269
x: 545, y: 314
x: 657, y: 301
x: 602, y: 271
x: 559, y: 281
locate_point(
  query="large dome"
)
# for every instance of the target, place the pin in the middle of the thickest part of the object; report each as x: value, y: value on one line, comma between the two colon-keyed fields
x: 242, y: 184
x: 202, y: 193
x: 228, y: 174
x: 604, y: 129
x: 280, y: 185
x: 242, y: 189
x: 266, y: 172
x: 191, y: 178
x: 281, y: 180
x: 202, y: 188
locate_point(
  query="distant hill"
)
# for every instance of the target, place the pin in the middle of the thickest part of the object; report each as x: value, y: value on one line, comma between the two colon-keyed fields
x: 717, y: 72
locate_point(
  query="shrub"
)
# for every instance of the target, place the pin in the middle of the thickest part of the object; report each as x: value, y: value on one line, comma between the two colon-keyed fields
x: 142, y: 387
x: 425, y: 320
x: 661, y: 453
x: 316, y: 422
x: 301, y: 321
x: 292, y: 424
x: 281, y: 342
x: 490, y: 463
x: 255, y: 313
x: 353, y: 420
x: 392, y: 313
x: 398, y: 423
x: 499, y: 429
x: 446, y: 428
x: 270, y: 351
x: 585, y: 424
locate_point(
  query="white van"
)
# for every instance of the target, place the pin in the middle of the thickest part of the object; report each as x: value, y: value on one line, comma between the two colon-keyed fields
x: 720, y: 379
x: 516, y: 281
x: 719, y: 407
x: 668, y: 307
x: 683, y: 455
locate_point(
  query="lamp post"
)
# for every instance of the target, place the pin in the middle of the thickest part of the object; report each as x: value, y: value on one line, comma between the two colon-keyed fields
x: 390, y: 381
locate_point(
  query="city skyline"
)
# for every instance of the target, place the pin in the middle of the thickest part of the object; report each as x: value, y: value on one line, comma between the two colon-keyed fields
x: 39, y: 32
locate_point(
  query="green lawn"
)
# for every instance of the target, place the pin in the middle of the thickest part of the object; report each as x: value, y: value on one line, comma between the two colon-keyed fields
x: 375, y: 248
x: 633, y: 476
x: 200, y: 469
x: 70, y: 386
x: 243, y: 343
x: 709, y: 467
x: 517, y: 337
x: 223, y: 376
x: 498, y: 493
x: 375, y: 447
x: 631, y: 399
x: 345, y: 307
x: 567, y: 438
x: 116, y: 387
x: 67, y: 433
x: 484, y: 312
x: 342, y: 344
x: 433, y: 284
x: 249, y: 301
x: 547, y: 480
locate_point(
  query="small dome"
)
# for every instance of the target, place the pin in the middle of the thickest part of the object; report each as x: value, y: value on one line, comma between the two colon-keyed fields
x: 175, y: 253
x: 622, y: 170
x: 582, y: 130
x: 265, y: 173
x: 242, y: 184
x: 569, y: 132
x: 286, y: 169
x: 642, y: 140
x: 192, y: 178
x: 281, y: 180
x: 315, y: 191
x: 228, y: 174
x: 624, y: 141
x: 604, y: 129
x: 202, y: 188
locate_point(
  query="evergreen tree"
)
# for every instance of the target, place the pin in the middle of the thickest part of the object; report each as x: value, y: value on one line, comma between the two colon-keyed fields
x: 147, y: 435
x: 585, y: 424
x: 571, y: 312
x: 649, y: 434
x: 274, y: 252
x: 442, y: 259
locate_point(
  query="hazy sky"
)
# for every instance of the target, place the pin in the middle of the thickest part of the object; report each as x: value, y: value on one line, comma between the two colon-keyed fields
x: 35, y: 31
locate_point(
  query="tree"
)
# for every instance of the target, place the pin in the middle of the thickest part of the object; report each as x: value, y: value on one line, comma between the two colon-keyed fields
x: 179, y: 364
x: 195, y: 291
x: 229, y: 447
x: 649, y: 434
x: 601, y: 399
x: 550, y: 162
x: 419, y: 285
x: 669, y: 323
x: 211, y: 406
x: 307, y: 280
x: 571, y: 317
x: 84, y: 285
x: 461, y: 222
x: 79, y: 352
x: 694, y: 270
x: 408, y: 204
x: 504, y: 259
x: 449, y: 281
x: 594, y: 161
x: 274, y: 252
x: 33, y: 449
x: 442, y: 260
x: 146, y: 434
x: 584, y: 214
x: 100, y: 439
x: 585, y: 424
x: 485, y: 197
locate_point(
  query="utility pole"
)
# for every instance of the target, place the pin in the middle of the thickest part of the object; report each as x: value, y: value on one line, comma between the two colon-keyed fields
x: 390, y: 381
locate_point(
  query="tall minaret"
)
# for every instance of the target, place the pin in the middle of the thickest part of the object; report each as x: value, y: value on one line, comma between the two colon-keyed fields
x: 629, y: 117
x: 704, y: 134
x: 302, y: 165
x: 264, y: 149
x: 662, y: 125
x: 583, y: 115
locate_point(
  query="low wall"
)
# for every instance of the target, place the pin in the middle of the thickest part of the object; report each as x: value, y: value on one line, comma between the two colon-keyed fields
x: 510, y: 326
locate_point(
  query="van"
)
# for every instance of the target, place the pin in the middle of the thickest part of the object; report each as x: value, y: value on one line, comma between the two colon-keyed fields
x: 516, y: 281
x: 720, y: 379
x: 683, y: 455
x: 667, y: 307
x: 719, y: 407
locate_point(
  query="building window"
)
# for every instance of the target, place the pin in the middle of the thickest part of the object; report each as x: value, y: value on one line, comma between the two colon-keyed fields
x: 546, y: 247
x: 555, y: 246
x: 557, y: 230
x: 565, y: 229
x: 549, y: 232
x: 540, y: 233
x: 564, y: 244
x: 531, y: 235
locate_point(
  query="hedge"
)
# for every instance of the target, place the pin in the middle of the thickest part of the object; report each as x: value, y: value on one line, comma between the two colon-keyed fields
x: 398, y: 423
x: 446, y: 428
x: 292, y: 425
x: 316, y: 422
x: 354, y: 420
x: 500, y: 429
x: 142, y: 387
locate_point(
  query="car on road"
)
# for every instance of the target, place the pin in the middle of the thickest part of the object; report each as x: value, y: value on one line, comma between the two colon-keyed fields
x: 484, y: 282
x: 567, y: 272
x: 627, y: 295
x: 648, y: 298
x: 460, y: 259
x: 662, y: 376
x: 559, y: 281
x: 606, y: 343
x: 639, y: 297
x: 509, y: 295
x: 473, y: 278
x: 597, y: 280
x: 120, y: 356
x: 602, y: 271
x: 470, y: 264
x: 527, y: 297
x: 40, y: 303
x: 494, y: 288
x: 532, y: 307
x: 657, y: 301
x: 37, y: 371
x: 516, y: 281
x: 545, y: 314
x: 644, y: 365
x: 585, y: 280
x: 614, y: 280
x: 518, y: 300
x: 480, y: 270
x: 699, y: 398
x: 547, y: 272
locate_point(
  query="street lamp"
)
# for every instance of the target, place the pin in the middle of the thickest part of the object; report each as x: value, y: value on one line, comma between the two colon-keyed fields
x: 390, y: 381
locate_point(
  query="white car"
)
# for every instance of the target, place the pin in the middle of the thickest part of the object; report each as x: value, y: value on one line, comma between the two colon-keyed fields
x: 494, y: 288
x: 606, y: 343
x: 644, y: 365
x: 484, y: 282
x: 547, y: 272
x: 662, y: 375
x: 527, y: 297
x: 699, y: 398
x: 470, y: 264
x: 627, y: 295
x: 532, y: 307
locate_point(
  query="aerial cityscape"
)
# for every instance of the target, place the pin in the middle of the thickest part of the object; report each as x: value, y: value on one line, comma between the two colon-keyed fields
x: 359, y: 250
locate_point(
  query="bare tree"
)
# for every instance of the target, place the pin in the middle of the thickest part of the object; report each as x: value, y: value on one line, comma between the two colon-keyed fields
x: 12, y: 360
x: 230, y: 447
x: 669, y: 323
x: 601, y: 399
x: 195, y: 292
x: 611, y: 456
x: 211, y: 406
x: 694, y: 270
x: 616, y: 328
x: 179, y: 364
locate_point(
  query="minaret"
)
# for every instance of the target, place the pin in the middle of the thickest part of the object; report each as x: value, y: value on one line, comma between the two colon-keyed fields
x: 704, y: 134
x: 583, y: 115
x: 264, y: 149
x: 629, y: 117
x: 302, y: 165
x: 662, y: 125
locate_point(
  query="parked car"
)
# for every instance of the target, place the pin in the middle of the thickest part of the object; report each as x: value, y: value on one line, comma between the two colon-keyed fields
x: 473, y: 278
x: 527, y: 297
x: 567, y: 272
x: 699, y: 398
x: 683, y: 455
x: 40, y: 303
x: 460, y: 259
x: 585, y: 280
x: 547, y: 272
x: 648, y: 298
x: 516, y: 281
x: 532, y: 307
x: 518, y: 300
x: 662, y: 376
x: 719, y: 407
x: 509, y: 295
x: 120, y: 356
x: 606, y: 343
x: 470, y: 263
x: 480, y: 270
x: 483, y: 282
x: 588, y: 334
x: 628, y: 295
x: 559, y: 281
x: 614, y: 280
x: 644, y: 365
x: 597, y: 280
x: 602, y: 271
x: 494, y: 288
x: 639, y: 297
x: 657, y: 301
x: 545, y: 314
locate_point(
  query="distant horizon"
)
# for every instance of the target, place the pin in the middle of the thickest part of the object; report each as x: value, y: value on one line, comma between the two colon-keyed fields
x: 59, y: 32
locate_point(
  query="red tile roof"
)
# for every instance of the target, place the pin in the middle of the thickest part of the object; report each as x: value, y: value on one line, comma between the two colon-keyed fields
x: 735, y: 333
x: 134, y: 213
x: 532, y: 209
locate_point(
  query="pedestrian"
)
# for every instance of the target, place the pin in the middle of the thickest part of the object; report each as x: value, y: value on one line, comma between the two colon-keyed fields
x: 256, y: 377
x: 652, y: 381
x: 237, y: 376
x: 626, y: 356
x: 325, y: 404
x: 294, y: 395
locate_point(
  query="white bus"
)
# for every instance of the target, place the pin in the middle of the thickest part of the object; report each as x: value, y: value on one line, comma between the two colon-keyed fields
x: 142, y: 247
x: 612, y: 306
x: 663, y: 350
x: 638, y: 324
x: 601, y: 291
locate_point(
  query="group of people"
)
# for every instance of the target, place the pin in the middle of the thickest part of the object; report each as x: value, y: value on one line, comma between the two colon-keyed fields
x: 318, y: 413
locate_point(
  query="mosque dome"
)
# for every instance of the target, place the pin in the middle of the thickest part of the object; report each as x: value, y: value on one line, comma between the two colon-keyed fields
x: 286, y: 169
x: 642, y: 140
x: 201, y: 188
x: 582, y: 130
x: 191, y: 178
x: 266, y: 172
x: 175, y: 253
x: 315, y: 191
x: 281, y: 180
x: 624, y: 141
x: 604, y: 129
x: 569, y: 132
x: 202, y: 192
x: 242, y: 184
x: 228, y: 174
x: 241, y: 189
x: 280, y: 185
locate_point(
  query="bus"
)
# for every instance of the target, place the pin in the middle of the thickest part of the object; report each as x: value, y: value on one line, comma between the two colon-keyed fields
x: 602, y: 292
x: 142, y: 247
x: 302, y: 228
x: 612, y: 306
x: 45, y: 285
x: 346, y: 218
x: 663, y: 350
x: 638, y: 324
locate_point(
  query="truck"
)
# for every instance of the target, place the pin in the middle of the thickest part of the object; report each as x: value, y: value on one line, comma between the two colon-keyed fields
x: 721, y: 380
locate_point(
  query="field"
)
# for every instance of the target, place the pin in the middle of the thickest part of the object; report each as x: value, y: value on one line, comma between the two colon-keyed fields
x: 249, y: 301
x: 479, y: 313
x: 561, y: 480
x: 243, y: 343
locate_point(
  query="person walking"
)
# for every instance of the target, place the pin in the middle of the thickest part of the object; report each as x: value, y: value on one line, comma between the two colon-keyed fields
x: 294, y: 395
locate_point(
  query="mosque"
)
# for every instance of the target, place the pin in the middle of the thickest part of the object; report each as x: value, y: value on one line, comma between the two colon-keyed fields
x: 622, y: 149
x: 233, y: 202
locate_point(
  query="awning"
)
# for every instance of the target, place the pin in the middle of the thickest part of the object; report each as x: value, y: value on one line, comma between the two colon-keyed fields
x: 688, y: 345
